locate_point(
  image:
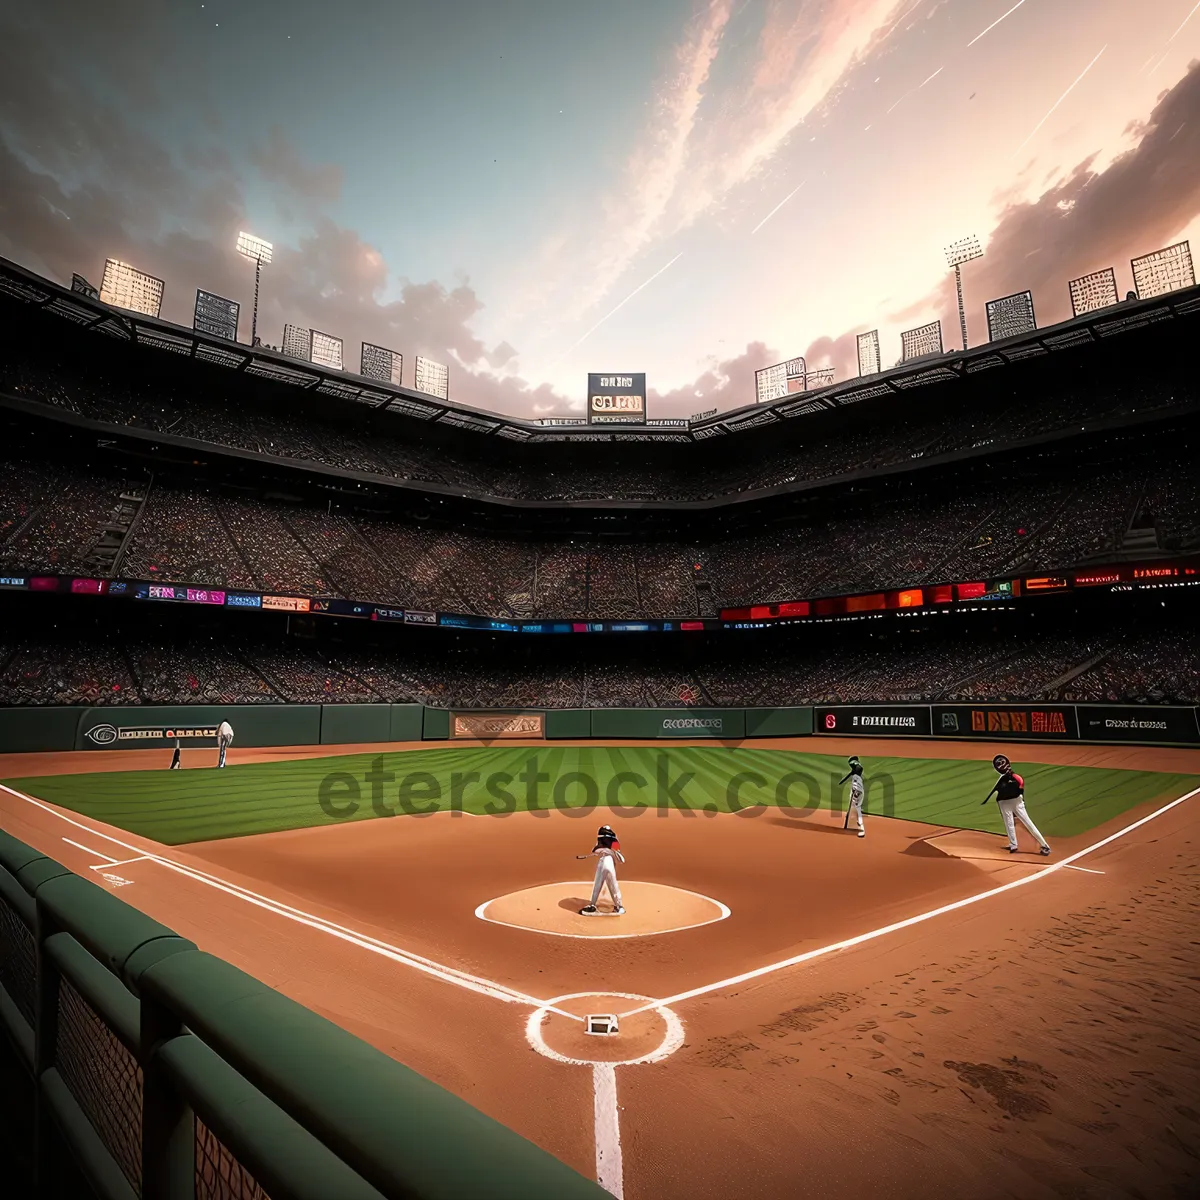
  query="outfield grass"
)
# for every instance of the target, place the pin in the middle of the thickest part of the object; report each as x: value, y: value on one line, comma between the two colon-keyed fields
x: 177, y: 807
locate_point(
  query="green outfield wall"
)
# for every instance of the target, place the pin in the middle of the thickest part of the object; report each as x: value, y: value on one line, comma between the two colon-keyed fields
x: 350, y: 723
x: 435, y: 724
x: 158, y: 726
x: 32, y: 729
x: 153, y: 727
x: 569, y: 723
x: 236, y: 1080
x: 779, y: 722
x: 723, y: 724
x: 407, y: 722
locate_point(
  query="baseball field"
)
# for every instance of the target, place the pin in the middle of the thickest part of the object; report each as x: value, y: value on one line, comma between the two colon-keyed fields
x: 797, y: 1009
x: 180, y: 807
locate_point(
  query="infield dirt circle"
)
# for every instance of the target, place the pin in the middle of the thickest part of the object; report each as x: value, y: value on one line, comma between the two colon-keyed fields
x: 650, y: 908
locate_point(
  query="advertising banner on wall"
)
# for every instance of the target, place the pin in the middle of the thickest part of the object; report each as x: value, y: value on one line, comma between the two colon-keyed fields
x: 885, y: 720
x: 114, y: 734
x: 486, y: 726
x: 1041, y: 721
x: 1138, y: 724
x: 700, y: 723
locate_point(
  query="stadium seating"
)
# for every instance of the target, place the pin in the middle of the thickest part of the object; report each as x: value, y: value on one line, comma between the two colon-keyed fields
x: 473, y: 672
x: 51, y: 520
x: 380, y: 444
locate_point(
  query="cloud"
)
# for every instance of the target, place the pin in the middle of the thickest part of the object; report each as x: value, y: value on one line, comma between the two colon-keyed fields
x: 1092, y: 219
x: 840, y: 353
x: 83, y: 184
x: 636, y: 212
x: 715, y: 128
x: 279, y: 163
x: 721, y: 385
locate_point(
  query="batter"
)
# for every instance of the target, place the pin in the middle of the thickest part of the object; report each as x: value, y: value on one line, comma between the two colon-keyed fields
x: 607, y: 852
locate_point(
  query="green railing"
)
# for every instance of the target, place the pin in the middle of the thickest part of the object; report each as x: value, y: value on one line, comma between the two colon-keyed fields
x: 133, y: 1064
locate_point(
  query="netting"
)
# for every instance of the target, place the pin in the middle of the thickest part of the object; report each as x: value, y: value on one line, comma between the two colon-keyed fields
x: 219, y: 1175
x: 104, y: 1078
x: 18, y: 961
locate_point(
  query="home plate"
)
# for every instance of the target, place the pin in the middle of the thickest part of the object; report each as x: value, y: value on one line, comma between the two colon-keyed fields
x: 602, y: 1024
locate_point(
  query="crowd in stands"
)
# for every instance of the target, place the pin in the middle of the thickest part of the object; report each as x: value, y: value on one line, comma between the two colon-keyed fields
x: 51, y: 518
x: 471, y: 671
x: 177, y: 399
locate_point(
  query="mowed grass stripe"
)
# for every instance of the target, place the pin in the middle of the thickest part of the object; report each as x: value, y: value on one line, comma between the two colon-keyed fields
x: 177, y: 807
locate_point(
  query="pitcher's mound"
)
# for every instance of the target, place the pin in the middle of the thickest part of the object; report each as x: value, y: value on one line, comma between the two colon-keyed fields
x: 650, y: 908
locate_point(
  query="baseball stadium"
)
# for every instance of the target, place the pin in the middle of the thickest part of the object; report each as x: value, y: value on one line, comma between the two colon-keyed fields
x: 428, y: 792
x: 347, y: 819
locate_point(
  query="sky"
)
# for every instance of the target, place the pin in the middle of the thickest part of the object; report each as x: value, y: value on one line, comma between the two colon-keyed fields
x: 529, y: 190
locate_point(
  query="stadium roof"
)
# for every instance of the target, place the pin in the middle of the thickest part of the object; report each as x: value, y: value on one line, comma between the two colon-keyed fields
x: 82, y: 310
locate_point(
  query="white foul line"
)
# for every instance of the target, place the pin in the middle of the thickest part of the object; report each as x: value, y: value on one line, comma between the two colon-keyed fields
x: 427, y: 966
x: 908, y: 922
x: 110, y: 862
x: 1089, y: 870
x: 606, y: 1112
x: 123, y: 863
x: 610, y: 1173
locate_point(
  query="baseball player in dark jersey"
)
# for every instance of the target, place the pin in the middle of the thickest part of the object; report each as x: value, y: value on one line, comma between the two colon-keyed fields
x: 175, y: 764
x: 1010, y: 796
x: 857, y: 792
x: 607, y: 852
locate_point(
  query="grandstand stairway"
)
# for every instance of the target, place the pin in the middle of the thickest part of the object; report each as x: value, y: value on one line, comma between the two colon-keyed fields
x: 1055, y: 686
x: 115, y: 532
x: 706, y: 602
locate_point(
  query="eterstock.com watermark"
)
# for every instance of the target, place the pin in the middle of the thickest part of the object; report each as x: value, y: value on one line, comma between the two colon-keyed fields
x: 343, y: 795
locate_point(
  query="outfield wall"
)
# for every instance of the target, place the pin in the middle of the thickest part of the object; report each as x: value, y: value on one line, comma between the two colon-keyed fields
x: 129, y: 727
x: 1153, y: 725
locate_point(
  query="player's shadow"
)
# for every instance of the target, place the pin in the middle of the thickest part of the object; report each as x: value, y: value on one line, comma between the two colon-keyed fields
x: 574, y: 903
x: 809, y: 826
x: 921, y: 848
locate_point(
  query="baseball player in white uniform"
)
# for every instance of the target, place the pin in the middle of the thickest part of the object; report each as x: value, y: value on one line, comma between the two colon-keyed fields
x: 607, y: 852
x: 1010, y: 796
x: 224, y: 738
x: 857, y: 792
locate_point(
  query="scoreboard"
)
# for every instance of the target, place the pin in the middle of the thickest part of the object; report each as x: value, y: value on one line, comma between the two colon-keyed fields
x: 616, y: 399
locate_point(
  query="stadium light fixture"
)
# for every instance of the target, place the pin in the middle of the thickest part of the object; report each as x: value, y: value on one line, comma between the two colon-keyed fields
x: 258, y: 252
x: 963, y: 251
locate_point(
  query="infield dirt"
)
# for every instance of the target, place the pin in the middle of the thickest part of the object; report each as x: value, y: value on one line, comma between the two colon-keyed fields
x: 1044, y: 1042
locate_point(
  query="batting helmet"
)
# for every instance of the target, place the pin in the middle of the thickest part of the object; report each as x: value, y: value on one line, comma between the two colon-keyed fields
x: 1001, y: 763
x: 605, y: 831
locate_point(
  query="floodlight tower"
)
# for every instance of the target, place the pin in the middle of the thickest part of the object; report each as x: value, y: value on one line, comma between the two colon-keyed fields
x: 957, y: 253
x: 258, y: 252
